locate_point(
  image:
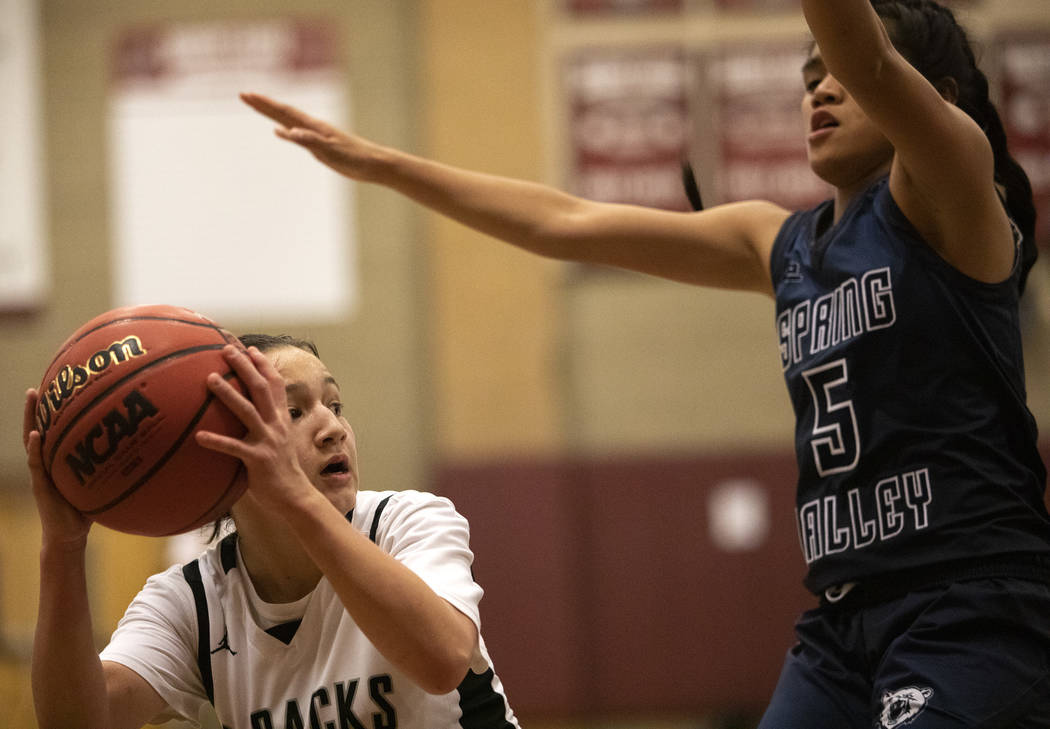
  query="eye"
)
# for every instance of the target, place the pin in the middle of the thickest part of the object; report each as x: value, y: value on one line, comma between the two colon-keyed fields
x: 296, y: 413
x: 812, y: 84
x: 337, y: 408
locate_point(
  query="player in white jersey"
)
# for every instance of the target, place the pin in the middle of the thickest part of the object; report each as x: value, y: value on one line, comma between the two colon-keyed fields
x: 328, y: 606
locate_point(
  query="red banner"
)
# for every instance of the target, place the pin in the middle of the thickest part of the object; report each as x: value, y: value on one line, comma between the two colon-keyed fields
x: 629, y: 126
x: 758, y: 95
x: 1024, y: 105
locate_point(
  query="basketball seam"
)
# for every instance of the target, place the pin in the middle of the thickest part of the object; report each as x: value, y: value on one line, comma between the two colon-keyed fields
x: 110, y: 322
x: 105, y: 393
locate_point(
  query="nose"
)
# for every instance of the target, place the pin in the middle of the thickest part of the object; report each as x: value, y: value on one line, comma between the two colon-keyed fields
x: 330, y: 428
x: 828, y: 91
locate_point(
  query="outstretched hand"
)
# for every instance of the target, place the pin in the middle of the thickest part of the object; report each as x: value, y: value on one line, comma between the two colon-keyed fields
x: 347, y: 154
x: 267, y: 449
x: 61, y: 523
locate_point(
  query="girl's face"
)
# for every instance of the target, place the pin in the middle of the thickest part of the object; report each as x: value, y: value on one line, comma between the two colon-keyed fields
x: 845, y: 148
x: 323, y: 438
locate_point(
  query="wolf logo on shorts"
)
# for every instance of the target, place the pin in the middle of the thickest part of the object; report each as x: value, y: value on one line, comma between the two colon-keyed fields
x: 902, y: 706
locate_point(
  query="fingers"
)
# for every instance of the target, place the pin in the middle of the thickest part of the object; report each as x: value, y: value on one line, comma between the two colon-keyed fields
x: 252, y: 407
x: 263, y: 403
x: 280, y: 113
x: 33, y: 456
x: 263, y: 409
x: 264, y: 383
x: 35, y: 461
x: 31, y: 438
x: 284, y: 114
x: 330, y: 145
x: 29, y: 417
x: 266, y: 369
x: 238, y: 404
x: 60, y: 521
x: 221, y: 443
x: 304, y: 137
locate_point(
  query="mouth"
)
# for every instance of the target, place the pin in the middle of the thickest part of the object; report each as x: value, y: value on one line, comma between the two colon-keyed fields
x: 822, y: 120
x: 336, y: 466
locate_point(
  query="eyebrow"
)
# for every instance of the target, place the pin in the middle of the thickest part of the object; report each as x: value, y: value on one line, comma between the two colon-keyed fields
x: 292, y: 387
x: 813, y: 63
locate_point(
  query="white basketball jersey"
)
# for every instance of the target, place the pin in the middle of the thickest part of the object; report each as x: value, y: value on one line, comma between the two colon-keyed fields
x: 210, y: 649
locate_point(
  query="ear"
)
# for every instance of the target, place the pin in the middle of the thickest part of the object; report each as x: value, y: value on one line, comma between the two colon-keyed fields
x: 948, y: 88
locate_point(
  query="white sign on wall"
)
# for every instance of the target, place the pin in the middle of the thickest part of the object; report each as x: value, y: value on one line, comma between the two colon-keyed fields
x: 23, y: 256
x: 210, y: 210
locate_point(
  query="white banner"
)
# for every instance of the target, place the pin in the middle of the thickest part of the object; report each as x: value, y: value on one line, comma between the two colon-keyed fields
x: 210, y: 210
x: 23, y: 256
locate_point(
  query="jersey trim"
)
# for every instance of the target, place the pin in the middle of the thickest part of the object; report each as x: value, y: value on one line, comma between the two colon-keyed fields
x: 228, y: 557
x: 375, y: 519
x: 482, y: 706
x: 228, y: 552
x: 192, y: 573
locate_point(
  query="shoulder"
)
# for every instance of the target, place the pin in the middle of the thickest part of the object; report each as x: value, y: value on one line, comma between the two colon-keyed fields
x: 169, y: 586
x: 152, y: 653
x: 393, y: 518
x: 399, y: 502
x: 164, y: 606
x: 757, y: 220
x: 793, y: 229
x: 953, y: 203
x: 176, y: 589
x: 763, y: 223
x: 969, y: 230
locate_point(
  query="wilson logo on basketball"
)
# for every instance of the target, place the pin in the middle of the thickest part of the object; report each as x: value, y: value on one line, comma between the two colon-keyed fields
x: 71, y: 378
x: 114, y: 427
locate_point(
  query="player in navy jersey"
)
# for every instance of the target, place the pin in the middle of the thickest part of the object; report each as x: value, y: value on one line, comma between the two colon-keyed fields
x: 920, y: 496
x: 327, y: 606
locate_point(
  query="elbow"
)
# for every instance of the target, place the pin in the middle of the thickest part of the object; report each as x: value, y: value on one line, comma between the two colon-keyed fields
x: 445, y: 669
x: 567, y: 236
x: 443, y: 680
x: 549, y: 243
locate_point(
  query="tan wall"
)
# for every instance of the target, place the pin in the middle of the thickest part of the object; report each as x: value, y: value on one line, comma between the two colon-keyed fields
x: 493, y: 324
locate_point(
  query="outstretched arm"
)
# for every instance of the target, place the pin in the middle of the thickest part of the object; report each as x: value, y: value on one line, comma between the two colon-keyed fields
x: 942, y: 174
x: 727, y: 246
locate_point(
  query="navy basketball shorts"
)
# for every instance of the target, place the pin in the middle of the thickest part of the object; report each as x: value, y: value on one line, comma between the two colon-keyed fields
x: 969, y: 654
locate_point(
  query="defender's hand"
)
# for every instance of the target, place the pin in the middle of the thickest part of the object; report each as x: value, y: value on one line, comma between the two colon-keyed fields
x: 347, y: 154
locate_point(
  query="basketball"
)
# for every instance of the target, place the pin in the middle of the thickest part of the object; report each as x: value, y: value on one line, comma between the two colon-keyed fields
x: 118, y: 409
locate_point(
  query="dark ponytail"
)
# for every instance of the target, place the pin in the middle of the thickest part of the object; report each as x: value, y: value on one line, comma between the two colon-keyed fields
x: 927, y: 34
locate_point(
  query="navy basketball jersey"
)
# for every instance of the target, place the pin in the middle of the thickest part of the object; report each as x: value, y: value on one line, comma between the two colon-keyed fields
x: 915, y: 445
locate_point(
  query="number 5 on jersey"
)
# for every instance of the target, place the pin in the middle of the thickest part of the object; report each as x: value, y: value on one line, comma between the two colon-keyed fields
x: 835, y: 441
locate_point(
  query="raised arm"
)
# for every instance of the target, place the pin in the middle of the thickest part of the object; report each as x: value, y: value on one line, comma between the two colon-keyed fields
x: 71, y: 686
x: 726, y: 246
x: 942, y: 174
x: 412, y: 626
